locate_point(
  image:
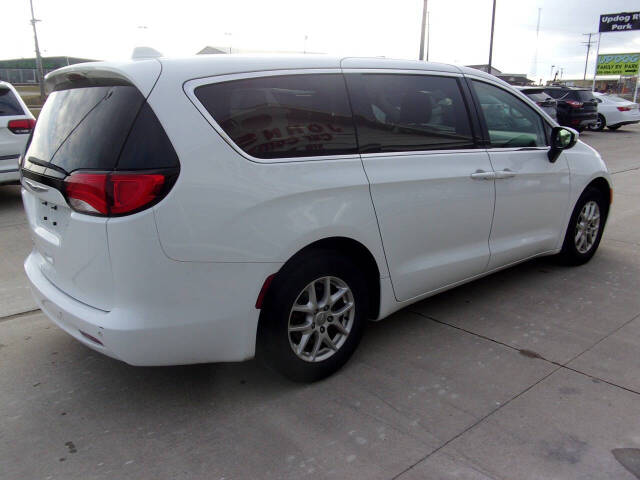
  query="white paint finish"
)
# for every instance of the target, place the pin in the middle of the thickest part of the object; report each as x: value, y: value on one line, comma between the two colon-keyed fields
x: 434, y: 218
x: 180, y: 280
x: 609, y: 110
x: 245, y: 211
x: 12, y: 145
x: 531, y: 205
x: 141, y: 73
x: 165, y: 312
x: 74, y: 251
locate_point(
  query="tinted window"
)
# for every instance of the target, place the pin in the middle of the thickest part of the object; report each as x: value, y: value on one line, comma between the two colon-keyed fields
x: 84, y: 128
x: 98, y: 128
x: 582, y: 95
x: 9, y: 103
x: 556, y: 92
x: 538, y: 97
x: 615, y: 99
x: 511, y: 122
x: 283, y: 116
x: 396, y: 113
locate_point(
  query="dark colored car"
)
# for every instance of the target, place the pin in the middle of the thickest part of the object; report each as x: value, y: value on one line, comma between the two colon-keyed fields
x: 577, y: 107
x: 545, y: 101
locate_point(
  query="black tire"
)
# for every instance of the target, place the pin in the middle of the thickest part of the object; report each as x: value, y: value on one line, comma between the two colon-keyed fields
x: 274, y: 343
x: 614, y: 127
x: 598, y: 127
x: 570, y: 254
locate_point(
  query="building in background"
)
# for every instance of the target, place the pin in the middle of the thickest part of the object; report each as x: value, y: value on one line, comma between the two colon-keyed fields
x: 519, y: 79
x: 23, y: 70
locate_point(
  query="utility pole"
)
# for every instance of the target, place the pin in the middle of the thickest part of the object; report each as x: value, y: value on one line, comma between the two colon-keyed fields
x: 493, y: 21
x: 428, y: 35
x: 588, y: 43
x: 424, y: 23
x: 535, y: 56
x: 38, y: 57
x: 551, y: 72
x: 595, y: 70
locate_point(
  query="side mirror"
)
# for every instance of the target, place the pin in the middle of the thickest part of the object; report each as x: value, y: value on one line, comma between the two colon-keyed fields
x: 561, y: 139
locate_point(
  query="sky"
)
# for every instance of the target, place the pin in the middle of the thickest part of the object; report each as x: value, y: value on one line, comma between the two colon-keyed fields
x: 459, y: 29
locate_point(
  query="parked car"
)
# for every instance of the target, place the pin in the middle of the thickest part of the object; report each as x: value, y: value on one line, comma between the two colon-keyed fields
x: 577, y: 107
x: 614, y: 112
x: 16, y: 123
x: 545, y: 101
x: 195, y: 210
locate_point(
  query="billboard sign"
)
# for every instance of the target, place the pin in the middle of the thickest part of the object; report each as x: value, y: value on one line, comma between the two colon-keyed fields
x: 619, y: 22
x: 618, y: 64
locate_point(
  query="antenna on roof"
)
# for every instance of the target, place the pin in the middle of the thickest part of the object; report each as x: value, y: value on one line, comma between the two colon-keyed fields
x: 141, y: 53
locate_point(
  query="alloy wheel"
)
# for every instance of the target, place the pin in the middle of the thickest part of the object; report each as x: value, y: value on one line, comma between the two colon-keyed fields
x: 321, y: 319
x: 587, y: 227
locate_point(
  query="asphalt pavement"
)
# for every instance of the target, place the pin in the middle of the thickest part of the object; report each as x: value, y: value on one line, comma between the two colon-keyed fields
x: 531, y: 373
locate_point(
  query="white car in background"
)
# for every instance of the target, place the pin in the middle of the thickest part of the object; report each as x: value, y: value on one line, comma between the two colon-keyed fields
x: 614, y: 112
x: 16, y: 123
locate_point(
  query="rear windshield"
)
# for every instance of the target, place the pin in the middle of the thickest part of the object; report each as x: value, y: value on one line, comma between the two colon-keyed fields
x: 613, y: 98
x: 84, y: 127
x: 581, y: 95
x: 537, y: 97
x: 9, y: 104
x: 556, y: 92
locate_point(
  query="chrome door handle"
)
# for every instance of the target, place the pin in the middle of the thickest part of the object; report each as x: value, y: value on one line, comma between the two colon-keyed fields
x: 482, y: 175
x: 506, y: 173
x: 34, y: 186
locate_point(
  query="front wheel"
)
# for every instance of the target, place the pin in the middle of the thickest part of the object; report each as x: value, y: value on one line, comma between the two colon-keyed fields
x: 585, y: 228
x: 314, y: 317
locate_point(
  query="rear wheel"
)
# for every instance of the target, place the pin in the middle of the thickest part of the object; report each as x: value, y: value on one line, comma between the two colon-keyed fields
x: 314, y: 317
x: 614, y: 127
x: 585, y: 228
x: 599, y: 125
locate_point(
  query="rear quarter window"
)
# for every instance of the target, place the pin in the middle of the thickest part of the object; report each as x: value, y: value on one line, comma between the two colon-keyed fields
x: 284, y: 115
x: 9, y: 104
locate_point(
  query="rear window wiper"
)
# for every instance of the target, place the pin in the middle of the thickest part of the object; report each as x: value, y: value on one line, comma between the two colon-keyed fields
x: 43, y: 163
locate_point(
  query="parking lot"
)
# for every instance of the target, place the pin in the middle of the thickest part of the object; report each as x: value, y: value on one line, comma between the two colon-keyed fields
x: 532, y: 373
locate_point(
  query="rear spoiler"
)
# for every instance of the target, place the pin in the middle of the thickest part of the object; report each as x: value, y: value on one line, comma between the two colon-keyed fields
x: 142, y: 74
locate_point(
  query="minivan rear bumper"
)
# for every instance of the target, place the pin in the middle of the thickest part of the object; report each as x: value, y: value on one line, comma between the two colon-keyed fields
x: 173, y: 334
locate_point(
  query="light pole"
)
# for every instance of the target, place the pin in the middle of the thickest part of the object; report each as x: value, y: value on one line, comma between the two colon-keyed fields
x: 551, y: 72
x: 38, y: 58
x: 228, y: 34
x: 424, y: 23
x: 493, y: 21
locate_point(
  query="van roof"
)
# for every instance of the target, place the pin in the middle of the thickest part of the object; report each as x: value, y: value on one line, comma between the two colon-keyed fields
x: 143, y: 73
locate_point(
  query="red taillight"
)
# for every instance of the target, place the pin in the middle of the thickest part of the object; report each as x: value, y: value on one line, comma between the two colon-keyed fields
x: 112, y: 193
x: 624, y: 109
x: 575, y: 104
x: 21, y: 126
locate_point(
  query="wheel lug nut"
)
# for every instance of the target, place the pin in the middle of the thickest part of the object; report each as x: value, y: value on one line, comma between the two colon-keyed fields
x: 326, y: 308
x: 313, y: 325
x: 330, y: 318
x: 321, y: 329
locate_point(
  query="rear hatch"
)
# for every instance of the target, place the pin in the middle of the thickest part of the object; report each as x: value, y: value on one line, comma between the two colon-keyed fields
x: 586, y: 98
x: 97, y: 151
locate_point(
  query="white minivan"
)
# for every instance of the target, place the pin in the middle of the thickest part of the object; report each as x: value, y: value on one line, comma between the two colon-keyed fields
x: 202, y: 209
